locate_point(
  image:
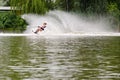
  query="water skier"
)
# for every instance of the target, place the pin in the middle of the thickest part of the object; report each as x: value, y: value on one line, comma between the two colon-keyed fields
x: 40, y: 28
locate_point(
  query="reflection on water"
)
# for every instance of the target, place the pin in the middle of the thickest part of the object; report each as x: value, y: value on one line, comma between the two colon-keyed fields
x: 59, y: 58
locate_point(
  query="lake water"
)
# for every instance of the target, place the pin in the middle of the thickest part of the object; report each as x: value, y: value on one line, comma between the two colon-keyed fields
x: 59, y: 58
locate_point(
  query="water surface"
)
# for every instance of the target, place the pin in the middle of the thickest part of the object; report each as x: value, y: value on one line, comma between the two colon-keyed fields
x: 59, y: 58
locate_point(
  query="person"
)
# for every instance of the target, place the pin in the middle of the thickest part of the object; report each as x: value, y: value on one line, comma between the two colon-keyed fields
x: 40, y: 28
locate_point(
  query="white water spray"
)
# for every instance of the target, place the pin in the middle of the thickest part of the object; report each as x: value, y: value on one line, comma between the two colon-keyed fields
x: 60, y: 22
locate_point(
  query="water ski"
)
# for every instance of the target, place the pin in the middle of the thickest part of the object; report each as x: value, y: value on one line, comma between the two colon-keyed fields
x: 34, y: 32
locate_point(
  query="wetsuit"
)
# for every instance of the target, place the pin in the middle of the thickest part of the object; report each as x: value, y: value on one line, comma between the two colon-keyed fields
x: 42, y: 28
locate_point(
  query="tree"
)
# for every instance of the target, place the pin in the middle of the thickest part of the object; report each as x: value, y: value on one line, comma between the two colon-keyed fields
x: 114, y: 11
x: 31, y: 6
x: 66, y: 5
x: 50, y: 4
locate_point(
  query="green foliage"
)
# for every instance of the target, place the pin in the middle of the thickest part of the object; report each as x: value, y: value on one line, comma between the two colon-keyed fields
x: 66, y: 5
x: 113, y: 10
x: 89, y: 6
x: 32, y: 6
x: 12, y: 21
x: 49, y: 4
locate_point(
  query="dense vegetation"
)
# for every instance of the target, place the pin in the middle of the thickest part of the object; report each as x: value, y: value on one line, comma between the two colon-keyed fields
x: 12, y: 22
x: 31, y: 6
x: 88, y: 7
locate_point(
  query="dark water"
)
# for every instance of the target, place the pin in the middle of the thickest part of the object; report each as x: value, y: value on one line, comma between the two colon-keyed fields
x: 59, y: 58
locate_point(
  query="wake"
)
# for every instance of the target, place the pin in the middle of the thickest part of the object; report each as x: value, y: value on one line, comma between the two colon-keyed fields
x: 60, y: 22
x: 66, y: 34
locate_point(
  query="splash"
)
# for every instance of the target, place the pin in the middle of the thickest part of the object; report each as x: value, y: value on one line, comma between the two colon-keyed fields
x: 60, y: 22
x: 61, y: 35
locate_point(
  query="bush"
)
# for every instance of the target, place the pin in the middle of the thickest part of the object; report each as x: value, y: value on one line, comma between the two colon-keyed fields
x: 12, y: 21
